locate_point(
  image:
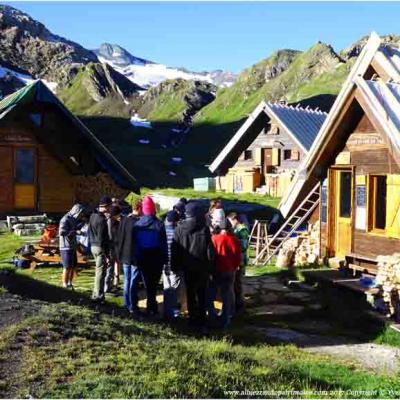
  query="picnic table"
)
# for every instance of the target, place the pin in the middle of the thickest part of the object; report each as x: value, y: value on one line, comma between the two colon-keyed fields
x: 48, y: 252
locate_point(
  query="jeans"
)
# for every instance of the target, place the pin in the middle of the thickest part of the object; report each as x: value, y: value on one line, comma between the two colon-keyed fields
x: 171, y: 284
x: 100, y: 272
x: 225, y: 282
x: 132, y: 277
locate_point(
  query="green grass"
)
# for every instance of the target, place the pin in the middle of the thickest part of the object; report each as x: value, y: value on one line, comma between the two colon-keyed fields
x: 74, y: 352
x: 190, y: 193
x: 71, y: 351
x: 8, y: 244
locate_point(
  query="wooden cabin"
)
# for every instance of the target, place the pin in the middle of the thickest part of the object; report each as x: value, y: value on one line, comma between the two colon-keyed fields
x: 49, y: 159
x: 356, y: 159
x: 267, y: 149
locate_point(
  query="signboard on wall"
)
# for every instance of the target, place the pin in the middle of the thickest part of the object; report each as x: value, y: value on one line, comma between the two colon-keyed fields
x: 324, y: 202
x: 361, y: 207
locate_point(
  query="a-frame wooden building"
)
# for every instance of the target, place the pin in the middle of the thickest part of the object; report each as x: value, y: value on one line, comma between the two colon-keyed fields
x: 356, y: 160
x: 49, y: 159
x: 267, y: 148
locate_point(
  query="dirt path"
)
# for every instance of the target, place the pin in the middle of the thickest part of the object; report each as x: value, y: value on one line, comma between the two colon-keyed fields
x: 282, y: 315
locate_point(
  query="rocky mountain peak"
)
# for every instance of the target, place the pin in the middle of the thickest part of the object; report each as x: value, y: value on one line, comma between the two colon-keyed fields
x: 27, y: 44
x: 118, y: 55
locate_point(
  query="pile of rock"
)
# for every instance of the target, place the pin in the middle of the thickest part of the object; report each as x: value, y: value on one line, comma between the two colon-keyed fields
x: 301, y: 250
x: 388, y: 280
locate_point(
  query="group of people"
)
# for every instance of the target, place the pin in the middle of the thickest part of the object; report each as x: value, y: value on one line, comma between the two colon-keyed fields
x: 197, y: 254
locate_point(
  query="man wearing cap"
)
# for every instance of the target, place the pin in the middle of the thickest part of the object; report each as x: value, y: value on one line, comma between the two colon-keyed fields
x: 100, y: 245
x: 193, y: 254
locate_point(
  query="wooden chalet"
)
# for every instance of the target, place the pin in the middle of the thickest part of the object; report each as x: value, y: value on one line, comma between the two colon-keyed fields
x: 49, y: 159
x: 353, y: 167
x: 267, y: 149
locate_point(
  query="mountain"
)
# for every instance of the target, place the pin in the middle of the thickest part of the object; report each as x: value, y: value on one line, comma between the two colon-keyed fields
x: 91, y: 89
x: 176, y: 100
x: 149, y: 74
x: 28, y: 45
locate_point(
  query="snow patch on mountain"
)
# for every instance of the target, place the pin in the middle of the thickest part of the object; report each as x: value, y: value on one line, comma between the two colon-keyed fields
x: 24, y: 78
x: 140, y: 122
x: 148, y: 74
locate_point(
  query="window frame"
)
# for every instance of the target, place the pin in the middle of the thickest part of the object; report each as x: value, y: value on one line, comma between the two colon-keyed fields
x: 371, y: 204
x: 246, y: 153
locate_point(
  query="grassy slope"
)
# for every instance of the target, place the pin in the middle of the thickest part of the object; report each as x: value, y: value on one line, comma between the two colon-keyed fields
x: 241, y: 98
x: 165, y: 104
x: 78, y: 100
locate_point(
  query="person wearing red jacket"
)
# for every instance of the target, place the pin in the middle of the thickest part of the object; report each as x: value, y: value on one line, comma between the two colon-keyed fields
x: 228, y: 258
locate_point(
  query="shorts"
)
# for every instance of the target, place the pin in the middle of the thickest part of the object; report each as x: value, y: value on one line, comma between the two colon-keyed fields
x: 68, y: 258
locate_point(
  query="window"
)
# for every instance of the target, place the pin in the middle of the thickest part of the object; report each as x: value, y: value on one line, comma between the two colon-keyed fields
x: 345, y: 194
x: 287, y: 154
x: 291, y: 154
x: 24, y: 166
x: 274, y: 130
x: 295, y: 155
x: 248, y: 155
x: 377, y: 202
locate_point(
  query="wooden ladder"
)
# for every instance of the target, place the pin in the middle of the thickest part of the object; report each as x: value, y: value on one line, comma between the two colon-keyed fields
x: 258, y: 238
x: 290, y: 226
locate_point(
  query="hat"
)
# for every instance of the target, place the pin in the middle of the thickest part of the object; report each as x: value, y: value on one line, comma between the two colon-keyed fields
x: 115, y: 210
x: 148, y: 206
x: 192, y: 210
x: 105, y: 201
x: 172, y: 216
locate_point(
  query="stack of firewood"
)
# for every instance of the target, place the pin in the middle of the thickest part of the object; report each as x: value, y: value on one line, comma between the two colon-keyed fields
x: 388, y: 279
x: 301, y: 250
x: 91, y: 188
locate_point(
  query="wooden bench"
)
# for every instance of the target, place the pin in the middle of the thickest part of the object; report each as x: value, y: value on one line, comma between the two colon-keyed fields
x: 49, y: 253
x: 362, y: 263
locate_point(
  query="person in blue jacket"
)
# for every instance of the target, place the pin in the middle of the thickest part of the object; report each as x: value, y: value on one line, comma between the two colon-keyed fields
x: 151, y: 250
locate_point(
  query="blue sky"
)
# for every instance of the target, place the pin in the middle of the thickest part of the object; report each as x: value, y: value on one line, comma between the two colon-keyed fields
x: 208, y: 35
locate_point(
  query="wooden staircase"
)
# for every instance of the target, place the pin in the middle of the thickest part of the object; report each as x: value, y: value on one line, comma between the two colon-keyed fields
x: 290, y: 226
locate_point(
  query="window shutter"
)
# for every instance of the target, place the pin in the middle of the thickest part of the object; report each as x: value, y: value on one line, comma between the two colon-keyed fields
x: 276, y: 157
x: 393, y: 206
x: 257, y: 156
x: 295, y: 156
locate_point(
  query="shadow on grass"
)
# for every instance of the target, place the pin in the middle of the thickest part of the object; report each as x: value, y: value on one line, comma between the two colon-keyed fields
x: 342, y: 309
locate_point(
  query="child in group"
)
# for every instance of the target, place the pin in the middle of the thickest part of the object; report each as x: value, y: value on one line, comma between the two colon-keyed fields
x: 228, y: 259
x: 242, y: 233
x: 171, y: 281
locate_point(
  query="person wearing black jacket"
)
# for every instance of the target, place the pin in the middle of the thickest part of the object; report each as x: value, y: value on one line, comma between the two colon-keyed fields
x: 192, y: 252
x: 127, y: 256
x: 100, y: 245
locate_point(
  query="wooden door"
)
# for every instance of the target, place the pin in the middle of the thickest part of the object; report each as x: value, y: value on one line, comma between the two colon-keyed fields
x: 341, y: 212
x: 6, y: 179
x: 25, y: 178
x: 267, y: 163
